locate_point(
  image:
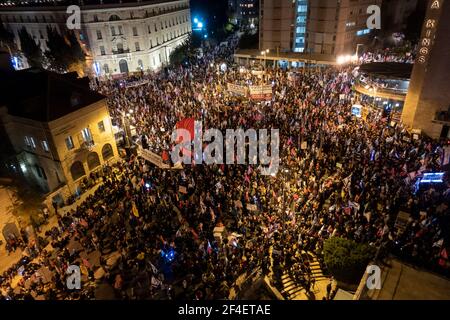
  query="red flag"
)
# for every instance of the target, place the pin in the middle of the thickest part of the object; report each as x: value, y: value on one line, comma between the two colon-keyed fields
x: 187, y: 124
x: 165, y: 155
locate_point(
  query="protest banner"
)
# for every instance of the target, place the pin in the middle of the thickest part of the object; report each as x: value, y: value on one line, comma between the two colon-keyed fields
x: 237, y: 89
x: 263, y: 92
x: 153, y: 158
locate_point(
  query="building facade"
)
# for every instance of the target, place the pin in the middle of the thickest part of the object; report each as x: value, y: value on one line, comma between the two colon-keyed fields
x: 59, y: 136
x: 427, y: 105
x: 320, y: 26
x: 244, y: 12
x: 119, y: 38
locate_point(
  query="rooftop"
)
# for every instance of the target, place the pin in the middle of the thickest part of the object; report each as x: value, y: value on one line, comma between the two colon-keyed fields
x: 392, y: 70
x: 48, y: 5
x: 43, y: 95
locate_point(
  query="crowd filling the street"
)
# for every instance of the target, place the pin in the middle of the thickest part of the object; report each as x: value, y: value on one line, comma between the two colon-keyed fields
x: 191, y: 232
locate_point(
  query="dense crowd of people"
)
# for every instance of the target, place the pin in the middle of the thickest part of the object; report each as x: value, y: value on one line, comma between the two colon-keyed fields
x: 191, y: 233
x: 386, y: 55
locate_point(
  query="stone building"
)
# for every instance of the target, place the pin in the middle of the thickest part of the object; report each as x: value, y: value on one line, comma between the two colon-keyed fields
x: 119, y: 37
x: 60, y: 130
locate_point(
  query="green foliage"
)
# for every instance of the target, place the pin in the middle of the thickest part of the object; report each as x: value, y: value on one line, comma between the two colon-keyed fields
x: 184, y: 52
x: 229, y: 27
x: 63, y: 50
x: 346, y: 259
x: 6, y: 38
x: 77, y: 51
x: 30, y: 48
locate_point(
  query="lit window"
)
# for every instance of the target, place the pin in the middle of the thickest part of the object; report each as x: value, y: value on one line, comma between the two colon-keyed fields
x: 87, y: 136
x: 33, y: 144
x: 69, y: 143
x: 301, y: 19
x: 362, y: 32
x: 301, y: 29
x: 302, y: 8
x: 45, y: 146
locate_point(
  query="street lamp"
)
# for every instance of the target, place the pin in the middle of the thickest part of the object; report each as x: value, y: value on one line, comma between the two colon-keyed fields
x: 264, y: 54
x: 126, y: 128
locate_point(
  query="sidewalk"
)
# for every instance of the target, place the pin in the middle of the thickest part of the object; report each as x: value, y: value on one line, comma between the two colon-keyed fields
x: 53, y: 220
x: 6, y: 216
x: 6, y: 261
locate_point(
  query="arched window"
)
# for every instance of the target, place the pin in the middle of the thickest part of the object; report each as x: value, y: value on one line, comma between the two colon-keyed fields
x: 114, y: 17
x: 123, y: 66
x: 93, y: 160
x: 77, y: 170
x: 140, y: 64
x: 107, y: 152
x: 106, y: 68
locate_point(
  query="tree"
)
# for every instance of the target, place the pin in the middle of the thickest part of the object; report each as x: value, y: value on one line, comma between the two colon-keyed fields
x: 78, y: 62
x: 6, y: 38
x: 346, y: 259
x: 77, y: 51
x: 30, y: 49
x: 64, y: 51
x: 58, y: 52
x: 184, y: 52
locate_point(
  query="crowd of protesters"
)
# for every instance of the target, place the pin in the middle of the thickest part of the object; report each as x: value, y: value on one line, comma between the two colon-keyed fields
x: 387, y: 55
x: 191, y: 233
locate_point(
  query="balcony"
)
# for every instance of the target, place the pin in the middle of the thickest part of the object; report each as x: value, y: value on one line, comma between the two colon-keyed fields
x: 86, y: 145
x: 121, y: 51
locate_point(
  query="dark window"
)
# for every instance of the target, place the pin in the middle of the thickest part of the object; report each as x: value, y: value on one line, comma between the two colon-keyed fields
x: 77, y: 170
x: 107, y: 152
x: 93, y: 160
x: 101, y: 126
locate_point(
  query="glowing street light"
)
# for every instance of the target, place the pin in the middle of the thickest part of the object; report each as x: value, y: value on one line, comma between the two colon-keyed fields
x: 264, y: 53
x: 346, y: 59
